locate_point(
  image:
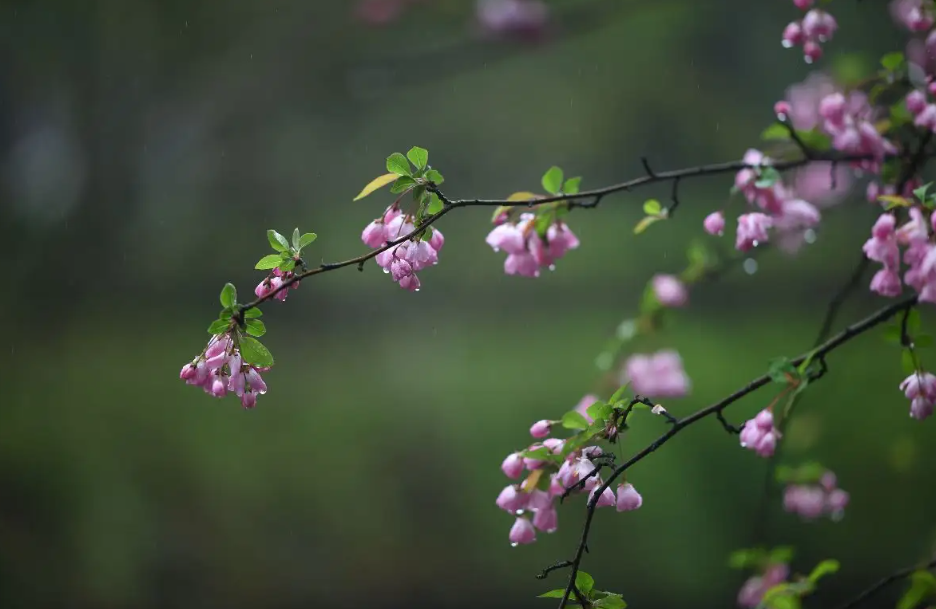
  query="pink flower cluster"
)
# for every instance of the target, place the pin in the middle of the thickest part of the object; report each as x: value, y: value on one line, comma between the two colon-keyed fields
x: 670, y: 291
x: 810, y: 501
x: 402, y: 261
x: 753, y: 590
x: 659, y: 375
x: 920, y: 389
x: 527, y: 252
x: 541, y: 502
x: 924, y: 113
x: 760, y: 435
x: 915, y: 15
x: 525, y: 18
x: 850, y: 122
x: 220, y: 370
x: 919, y: 255
x: 272, y: 282
x: 781, y: 208
x: 816, y: 26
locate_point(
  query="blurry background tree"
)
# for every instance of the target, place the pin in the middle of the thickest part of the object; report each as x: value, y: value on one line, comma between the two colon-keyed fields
x: 144, y: 149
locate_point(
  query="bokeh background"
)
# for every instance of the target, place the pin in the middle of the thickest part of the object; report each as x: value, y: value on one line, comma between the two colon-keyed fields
x: 145, y: 147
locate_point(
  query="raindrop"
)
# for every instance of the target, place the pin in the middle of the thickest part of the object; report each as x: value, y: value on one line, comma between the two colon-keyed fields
x: 552, y: 267
x: 496, y: 249
x: 519, y: 512
x: 744, y: 445
x: 750, y: 266
x: 386, y: 271
x: 823, y: 38
x: 809, y: 236
x: 756, y: 243
x: 416, y: 290
x: 513, y: 545
x: 807, y: 59
x: 787, y: 44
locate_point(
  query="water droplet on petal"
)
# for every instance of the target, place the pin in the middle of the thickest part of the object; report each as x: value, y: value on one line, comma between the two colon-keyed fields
x: 809, y: 235
x: 520, y: 512
x: 823, y: 38
x: 552, y: 267
x: 808, y: 59
x: 756, y: 243
x: 386, y: 271
x: 496, y: 249
x: 744, y: 445
x: 513, y: 545
x: 786, y: 44
x: 416, y: 290
x: 750, y: 266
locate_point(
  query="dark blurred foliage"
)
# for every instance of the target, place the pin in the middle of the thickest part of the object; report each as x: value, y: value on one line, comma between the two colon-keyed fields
x: 145, y: 147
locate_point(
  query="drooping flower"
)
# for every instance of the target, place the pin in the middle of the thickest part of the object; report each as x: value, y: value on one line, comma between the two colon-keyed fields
x: 527, y: 251
x: 670, y: 290
x: 658, y: 375
x: 220, y: 370
x: 760, y: 435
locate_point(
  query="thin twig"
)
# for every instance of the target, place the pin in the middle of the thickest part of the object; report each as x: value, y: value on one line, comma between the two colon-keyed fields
x: 833, y: 343
x: 884, y: 582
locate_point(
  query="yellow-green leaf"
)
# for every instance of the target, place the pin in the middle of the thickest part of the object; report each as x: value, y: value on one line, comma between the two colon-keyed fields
x: 645, y: 223
x: 376, y: 183
x: 523, y: 196
x: 894, y: 201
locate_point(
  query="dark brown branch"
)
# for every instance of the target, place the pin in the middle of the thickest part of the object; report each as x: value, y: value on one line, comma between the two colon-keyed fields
x: 884, y: 582
x: 833, y: 343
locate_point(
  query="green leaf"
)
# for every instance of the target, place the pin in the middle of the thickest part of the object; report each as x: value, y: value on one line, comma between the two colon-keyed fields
x: 619, y: 393
x: 922, y: 587
x: 776, y: 131
x: 815, y: 139
x: 892, y: 334
x: 295, y: 239
x: 375, y: 184
x: 920, y: 193
x: 306, y: 239
x: 287, y: 265
x: 277, y: 241
x: 417, y: 156
x: 397, y: 163
x: 270, y: 261
x: 402, y: 184
x: 892, y: 61
x: 557, y: 593
x: 255, y: 327
x: 226, y: 314
x: 253, y: 352
x: 781, y: 554
x: 574, y: 420
x: 427, y: 234
x: 907, y: 361
x: 219, y: 326
x: 746, y: 558
x: 652, y: 207
x: 584, y: 582
x: 252, y: 313
x: 552, y: 180
x: 228, y: 295
x: 645, y: 223
x: 612, y: 601
x: 434, y: 176
x: 599, y: 411
x: 435, y: 204
x: 779, y: 369
x: 768, y: 177
x: 826, y: 567
x: 571, y: 186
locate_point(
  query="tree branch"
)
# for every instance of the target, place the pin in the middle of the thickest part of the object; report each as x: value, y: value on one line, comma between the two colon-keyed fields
x: 883, y: 583
x: 833, y: 343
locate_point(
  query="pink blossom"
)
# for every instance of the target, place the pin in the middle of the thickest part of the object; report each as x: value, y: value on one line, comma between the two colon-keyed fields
x: 512, y: 465
x: 760, y: 435
x: 546, y: 519
x: 518, y: 17
x: 540, y: 429
x: 803, y: 4
x: 527, y: 251
x: 220, y: 370
x: 714, y: 223
x: 628, y: 498
x: 916, y: 101
x: 810, y: 501
x: 886, y: 282
x: 606, y: 498
x: 752, y: 230
x: 375, y: 234
x: 753, y: 590
x: 512, y: 499
x: 670, y: 291
x: 404, y: 260
x: 920, y: 389
x: 804, y: 99
x: 915, y: 15
x: 522, y: 532
x: 819, y: 25
x: 658, y: 375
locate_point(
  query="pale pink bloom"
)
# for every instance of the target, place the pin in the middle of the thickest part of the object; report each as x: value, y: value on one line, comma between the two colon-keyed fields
x: 375, y: 234
x: 606, y: 498
x: 522, y: 532
x: 805, y: 97
x: 670, y: 291
x: 752, y: 230
x: 803, y: 4
x: 912, y: 14
x: 819, y: 25
x: 584, y: 403
x: 714, y: 223
x: 886, y: 282
x: 521, y: 264
x: 753, y: 590
x: 920, y: 388
x: 659, y: 375
x: 512, y: 499
x: 628, y: 498
x: 546, y: 520
x: 760, y: 435
x: 512, y: 465
x: 540, y: 429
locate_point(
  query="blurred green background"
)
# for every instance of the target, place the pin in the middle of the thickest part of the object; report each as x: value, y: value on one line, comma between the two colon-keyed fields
x: 145, y: 147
